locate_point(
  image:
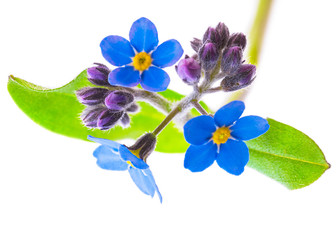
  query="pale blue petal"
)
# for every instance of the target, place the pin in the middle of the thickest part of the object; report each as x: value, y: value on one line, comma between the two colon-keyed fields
x: 112, y: 144
x: 143, y: 35
x: 167, y: 53
x: 149, y: 175
x: 233, y: 156
x: 117, y: 50
x: 229, y: 113
x: 124, y: 76
x: 154, y: 80
x: 108, y: 159
x: 199, y: 130
x: 126, y: 155
x: 142, y: 181
x: 198, y: 158
x: 249, y: 127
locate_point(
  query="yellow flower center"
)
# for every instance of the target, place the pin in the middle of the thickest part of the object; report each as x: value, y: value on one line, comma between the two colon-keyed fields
x: 142, y: 61
x: 221, y: 135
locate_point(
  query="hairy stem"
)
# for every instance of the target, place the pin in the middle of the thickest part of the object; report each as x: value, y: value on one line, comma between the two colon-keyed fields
x: 199, y: 108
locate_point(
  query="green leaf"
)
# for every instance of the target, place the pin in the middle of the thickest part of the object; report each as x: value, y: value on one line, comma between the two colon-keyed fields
x: 58, y: 110
x: 287, y: 155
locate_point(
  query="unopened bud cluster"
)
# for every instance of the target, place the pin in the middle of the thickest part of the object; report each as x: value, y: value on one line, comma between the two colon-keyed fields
x: 221, y: 52
x: 105, y: 108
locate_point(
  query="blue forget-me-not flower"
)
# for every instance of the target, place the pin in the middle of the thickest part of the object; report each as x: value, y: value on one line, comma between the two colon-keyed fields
x: 221, y: 138
x: 140, y: 60
x: 117, y: 157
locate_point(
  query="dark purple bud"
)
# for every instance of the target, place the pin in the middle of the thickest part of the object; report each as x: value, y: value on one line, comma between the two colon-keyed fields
x: 91, y: 96
x: 118, y: 100
x: 243, y: 77
x: 224, y: 34
x: 237, y: 39
x: 189, y: 70
x: 108, y: 118
x: 98, y: 75
x: 232, y: 59
x: 196, y: 44
x: 125, y: 120
x: 208, y: 56
x: 90, y: 116
x: 211, y: 35
x: 133, y: 108
x: 145, y: 145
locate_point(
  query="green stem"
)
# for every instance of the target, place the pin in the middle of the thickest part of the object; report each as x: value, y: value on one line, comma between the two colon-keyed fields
x: 255, y: 40
x: 199, y: 108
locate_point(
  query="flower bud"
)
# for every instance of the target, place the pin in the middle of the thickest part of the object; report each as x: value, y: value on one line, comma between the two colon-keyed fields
x: 144, y: 146
x: 211, y: 35
x: 118, y: 100
x: 224, y: 34
x: 242, y: 78
x: 133, y: 108
x: 108, y: 118
x: 231, y: 60
x: 125, y: 120
x: 98, y: 75
x: 208, y: 55
x: 91, y: 96
x: 196, y: 44
x: 90, y: 116
x: 237, y: 39
x: 189, y: 70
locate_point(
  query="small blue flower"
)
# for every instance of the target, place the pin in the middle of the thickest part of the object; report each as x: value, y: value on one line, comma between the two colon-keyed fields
x: 140, y: 59
x: 221, y: 138
x: 114, y: 156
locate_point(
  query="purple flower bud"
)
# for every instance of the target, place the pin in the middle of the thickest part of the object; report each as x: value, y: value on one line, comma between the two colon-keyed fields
x: 237, y: 39
x: 118, y: 100
x: 90, y: 116
x: 196, y: 44
x: 133, y: 108
x: 125, y: 120
x: 145, y: 145
x: 232, y: 59
x: 91, y: 96
x: 224, y: 34
x: 98, y: 75
x: 211, y: 35
x: 242, y: 78
x: 208, y: 56
x: 108, y: 118
x: 189, y: 70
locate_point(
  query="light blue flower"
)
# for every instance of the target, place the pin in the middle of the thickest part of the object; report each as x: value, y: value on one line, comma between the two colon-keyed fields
x: 114, y: 156
x: 140, y: 60
x: 221, y: 138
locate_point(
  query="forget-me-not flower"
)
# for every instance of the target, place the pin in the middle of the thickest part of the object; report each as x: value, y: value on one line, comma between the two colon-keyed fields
x: 140, y: 60
x: 117, y: 157
x: 221, y: 138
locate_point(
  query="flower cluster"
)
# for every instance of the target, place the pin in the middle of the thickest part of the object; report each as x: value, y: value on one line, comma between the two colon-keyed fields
x: 218, y: 48
x: 105, y: 108
x: 221, y: 138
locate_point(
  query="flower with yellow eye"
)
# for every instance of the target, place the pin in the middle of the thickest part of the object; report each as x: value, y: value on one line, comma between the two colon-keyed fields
x: 140, y: 60
x: 221, y: 138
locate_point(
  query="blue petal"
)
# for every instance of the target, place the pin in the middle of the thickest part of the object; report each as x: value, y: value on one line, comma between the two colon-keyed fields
x: 149, y: 175
x: 199, y: 130
x: 233, y: 156
x: 143, y: 35
x: 198, y: 158
x: 108, y: 159
x: 125, y: 77
x: 249, y: 127
x: 114, y: 145
x: 117, y: 50
x: 142, y: 181
x: 155, y: 80
x: 167, y: 54
x: 229, y: 113
x: 126, y: 155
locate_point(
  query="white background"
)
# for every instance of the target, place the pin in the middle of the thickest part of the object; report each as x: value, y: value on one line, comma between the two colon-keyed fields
x: 50, y: 186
